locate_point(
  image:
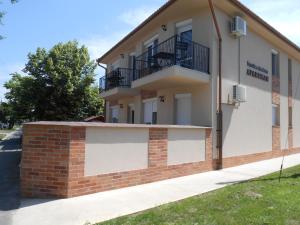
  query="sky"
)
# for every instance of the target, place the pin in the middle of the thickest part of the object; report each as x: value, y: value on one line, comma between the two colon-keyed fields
x: 100, y: 24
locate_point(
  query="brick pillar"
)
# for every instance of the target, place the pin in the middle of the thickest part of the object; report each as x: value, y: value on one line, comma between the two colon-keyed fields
x: 276, y: 146
x: 44, y: 165
x: 76, y: 161
x: 290, y: 105
x: 157, y: 147
x: 208, y: 145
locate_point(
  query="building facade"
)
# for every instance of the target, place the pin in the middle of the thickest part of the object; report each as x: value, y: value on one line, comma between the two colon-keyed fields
x: 166, y: 72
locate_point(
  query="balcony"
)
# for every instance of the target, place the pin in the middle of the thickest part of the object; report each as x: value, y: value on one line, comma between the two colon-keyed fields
x: 174, y: 61
x: 117, y: 83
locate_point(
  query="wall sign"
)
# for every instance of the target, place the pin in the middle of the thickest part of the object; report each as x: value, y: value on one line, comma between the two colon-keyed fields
x: 257, y: 71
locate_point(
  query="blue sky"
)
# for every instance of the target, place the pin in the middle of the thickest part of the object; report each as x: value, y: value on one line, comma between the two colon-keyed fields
x: 100, y: 24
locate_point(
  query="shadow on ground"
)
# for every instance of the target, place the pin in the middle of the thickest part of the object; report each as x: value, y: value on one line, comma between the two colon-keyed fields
x: 294, y: 176
x: 10, y: 157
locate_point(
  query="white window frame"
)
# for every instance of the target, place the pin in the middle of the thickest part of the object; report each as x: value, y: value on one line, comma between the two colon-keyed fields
x: 146, y: 101
x: 274, y: 52
x: 150, y: 41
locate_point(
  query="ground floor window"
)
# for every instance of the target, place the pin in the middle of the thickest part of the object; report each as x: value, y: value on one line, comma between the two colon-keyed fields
x: 183, y: 109
x: 114, y: 114
x: 150, y: 111
x: 275, y: 115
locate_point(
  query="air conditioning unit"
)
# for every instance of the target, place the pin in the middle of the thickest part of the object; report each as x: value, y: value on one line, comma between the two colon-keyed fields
x: 239, y: 94
x: 238, y: 27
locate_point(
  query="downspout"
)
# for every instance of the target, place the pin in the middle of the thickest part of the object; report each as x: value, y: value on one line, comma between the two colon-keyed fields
x: 105, y: 68
x: 219, y: 109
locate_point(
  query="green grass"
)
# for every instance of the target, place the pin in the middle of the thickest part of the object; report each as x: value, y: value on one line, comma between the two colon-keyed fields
x: 262, y: 201
x: 2, y: 136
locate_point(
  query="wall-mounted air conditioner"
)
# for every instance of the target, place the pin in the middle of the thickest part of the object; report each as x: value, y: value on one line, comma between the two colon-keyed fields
x: 238, y: 27
x: 238, y: 94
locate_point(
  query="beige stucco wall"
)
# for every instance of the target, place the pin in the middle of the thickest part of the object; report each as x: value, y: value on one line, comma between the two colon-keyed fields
x: 247, y: 128
x: 201, y: 104
x: 186, y: 146
x: 111, y: 150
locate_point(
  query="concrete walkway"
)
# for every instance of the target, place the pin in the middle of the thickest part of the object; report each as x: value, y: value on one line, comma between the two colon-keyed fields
x: 107, y: 205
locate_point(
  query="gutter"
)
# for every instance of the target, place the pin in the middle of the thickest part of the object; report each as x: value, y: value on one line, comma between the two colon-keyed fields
x: 219, y: 109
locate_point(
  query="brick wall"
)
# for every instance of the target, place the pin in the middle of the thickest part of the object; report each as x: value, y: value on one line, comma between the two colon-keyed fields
x: 54, y: 156
x: 53, y: 163
x: 45, y: 157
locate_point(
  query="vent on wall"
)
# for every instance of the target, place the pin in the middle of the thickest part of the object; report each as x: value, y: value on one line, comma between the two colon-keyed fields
x: 239, y: 94
x: 238, y: 27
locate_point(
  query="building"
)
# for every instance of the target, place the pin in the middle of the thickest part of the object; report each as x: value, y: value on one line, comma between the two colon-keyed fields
x: 166, y: 72
x: 198, y: 85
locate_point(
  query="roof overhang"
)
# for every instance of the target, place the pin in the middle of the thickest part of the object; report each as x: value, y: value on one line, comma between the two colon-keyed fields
x: 229, y: 6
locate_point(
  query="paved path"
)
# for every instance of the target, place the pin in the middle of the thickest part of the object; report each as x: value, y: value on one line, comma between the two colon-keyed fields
x: 110, y: 204
x: 10, y: 155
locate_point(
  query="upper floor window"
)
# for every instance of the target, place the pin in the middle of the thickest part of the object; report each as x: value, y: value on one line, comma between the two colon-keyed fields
x: 151, y: 47
x: 275, y: 63
x: 184, y: 30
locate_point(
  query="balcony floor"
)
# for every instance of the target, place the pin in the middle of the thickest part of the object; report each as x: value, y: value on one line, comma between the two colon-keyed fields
x: 173, y: 76
x: 118, y: 92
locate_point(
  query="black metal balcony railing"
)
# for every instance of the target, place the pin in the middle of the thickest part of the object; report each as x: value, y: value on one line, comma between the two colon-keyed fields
x: 120, y: 77
x: 174, y: 51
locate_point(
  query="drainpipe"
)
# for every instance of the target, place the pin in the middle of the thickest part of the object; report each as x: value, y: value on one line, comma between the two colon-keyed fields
x: 219, y: 110
x: 105, y: 68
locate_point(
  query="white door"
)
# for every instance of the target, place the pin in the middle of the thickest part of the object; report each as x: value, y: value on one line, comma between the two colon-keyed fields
x: 183, y: 109
x: 150, y: 111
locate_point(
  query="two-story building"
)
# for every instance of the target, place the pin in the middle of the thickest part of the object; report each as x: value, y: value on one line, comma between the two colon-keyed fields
x: 166, y: 72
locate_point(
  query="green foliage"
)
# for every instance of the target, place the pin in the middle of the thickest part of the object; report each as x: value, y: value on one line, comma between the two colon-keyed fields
x: 256, y: 202
x: 58, y: 85
x: 3, y: 13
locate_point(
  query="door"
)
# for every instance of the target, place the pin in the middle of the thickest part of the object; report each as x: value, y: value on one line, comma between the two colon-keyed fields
x: 150, y: 111
x: 130, y: 116
x: 184, y: 45
x: 183, y: 109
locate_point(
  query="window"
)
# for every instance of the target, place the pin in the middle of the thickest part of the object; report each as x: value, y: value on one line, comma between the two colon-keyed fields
x: 114, y: 114
x: 183, y: 109
x: 132, y: 65
x: 275, y: 115
x: 150, y: 111
x: 184, y: 48
x: 290, y: 117
x: 275, y: 63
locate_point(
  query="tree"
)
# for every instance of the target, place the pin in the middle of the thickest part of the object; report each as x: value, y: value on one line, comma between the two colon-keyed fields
x: 3, y: 13
x: 58, y: 85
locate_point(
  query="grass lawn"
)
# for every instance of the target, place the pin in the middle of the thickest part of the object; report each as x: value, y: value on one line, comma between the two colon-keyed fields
x: 260, y: 201
x: 2, y: 136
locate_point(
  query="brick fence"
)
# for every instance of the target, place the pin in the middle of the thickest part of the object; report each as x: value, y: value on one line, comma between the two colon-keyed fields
x: 53, y: 162
x: 54, y: 156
